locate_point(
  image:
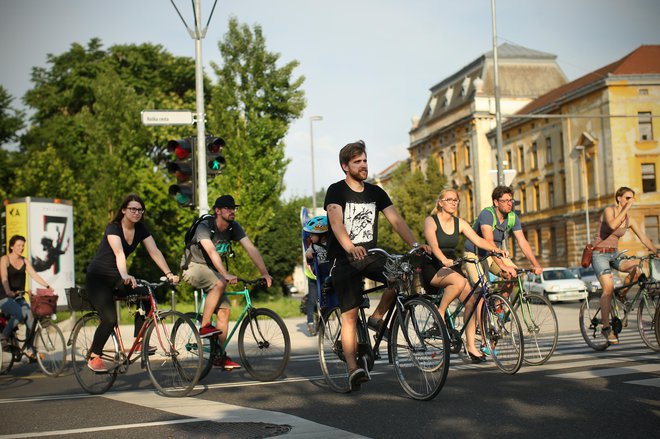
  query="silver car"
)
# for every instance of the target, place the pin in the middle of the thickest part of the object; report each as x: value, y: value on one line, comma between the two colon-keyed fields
x: 589, y: 277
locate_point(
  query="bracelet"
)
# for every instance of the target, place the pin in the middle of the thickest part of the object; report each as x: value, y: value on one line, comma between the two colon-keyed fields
x: 169, y: 272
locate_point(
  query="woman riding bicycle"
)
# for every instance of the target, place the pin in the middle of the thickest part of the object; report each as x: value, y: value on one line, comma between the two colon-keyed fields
x: 441, y: 230
x: 107, y: 272
x: 13, y: 268
x: 614, y: 222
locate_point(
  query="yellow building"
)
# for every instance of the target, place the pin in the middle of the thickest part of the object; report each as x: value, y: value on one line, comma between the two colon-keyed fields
x: 576, y: 145
x: 461, y: 111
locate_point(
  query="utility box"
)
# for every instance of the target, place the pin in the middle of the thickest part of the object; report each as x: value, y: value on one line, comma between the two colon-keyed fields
x: 47, y: 225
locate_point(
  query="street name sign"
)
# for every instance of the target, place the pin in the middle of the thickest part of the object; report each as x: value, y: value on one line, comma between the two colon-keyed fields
x: 167, y: 117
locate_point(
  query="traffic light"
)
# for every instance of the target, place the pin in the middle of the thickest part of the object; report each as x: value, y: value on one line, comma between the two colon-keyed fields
x: 214, y: 158
x: 183, y: 168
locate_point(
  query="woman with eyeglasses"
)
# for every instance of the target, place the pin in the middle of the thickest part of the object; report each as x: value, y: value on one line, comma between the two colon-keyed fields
x: 441, y: 230
x: 107, y: 274
x: 614, y: 223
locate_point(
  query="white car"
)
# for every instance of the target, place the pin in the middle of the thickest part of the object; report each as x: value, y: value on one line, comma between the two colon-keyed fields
x: 557, y: 284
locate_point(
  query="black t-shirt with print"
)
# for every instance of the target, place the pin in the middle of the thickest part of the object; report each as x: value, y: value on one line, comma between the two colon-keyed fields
x: 105, y: 262
x: 360, y: 215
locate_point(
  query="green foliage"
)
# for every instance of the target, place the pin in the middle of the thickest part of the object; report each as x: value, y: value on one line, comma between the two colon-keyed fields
x: 11, y: 119
x: 414, y: 195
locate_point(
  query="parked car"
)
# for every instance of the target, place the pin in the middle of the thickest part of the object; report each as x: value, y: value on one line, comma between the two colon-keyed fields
x: 557, y: 284
x: 589, y: 277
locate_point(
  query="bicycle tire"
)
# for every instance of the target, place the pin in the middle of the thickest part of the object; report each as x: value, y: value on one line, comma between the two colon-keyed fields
x: 502, y: 334
x: 210, y: 346
x: 538, y: 320
x: 81, y: 344
x: 173, y: 369
x: 51, y: 349
x: 421, y: 361
x: 264, y: 344
x: 591, y: 324
x: 8, y: 358
x: 646, y: 312
x: 656, y: 324
x: 331, y: 355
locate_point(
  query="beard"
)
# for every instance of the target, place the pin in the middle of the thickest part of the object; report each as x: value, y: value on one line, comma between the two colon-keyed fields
x: 359, y: 175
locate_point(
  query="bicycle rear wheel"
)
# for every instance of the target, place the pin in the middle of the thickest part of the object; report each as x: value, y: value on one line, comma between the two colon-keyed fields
x: 264, y: 344
x: 540, y: 329
x: 656, y: 324
x: 51, y: 348
x: 419, y: 346
x: 7, y: 360
x: 82, y: 336
x: 502, y: 334
x: 591, y: 324
x: 173, y: 368
x: 209, y: 349
x: 645, y: 319
x: 331, y: 355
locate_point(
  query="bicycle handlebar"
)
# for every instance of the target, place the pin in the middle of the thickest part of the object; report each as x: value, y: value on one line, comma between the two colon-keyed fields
x: 411, y: 252
x: 257, y: 281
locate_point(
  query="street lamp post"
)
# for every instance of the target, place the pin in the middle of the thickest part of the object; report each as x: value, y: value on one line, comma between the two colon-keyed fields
x: 583, y: 155
x: 311, y: 143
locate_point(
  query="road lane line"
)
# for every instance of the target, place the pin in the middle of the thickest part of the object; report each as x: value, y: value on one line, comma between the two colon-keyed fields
x: 652, y: 382
x: 600, y: 373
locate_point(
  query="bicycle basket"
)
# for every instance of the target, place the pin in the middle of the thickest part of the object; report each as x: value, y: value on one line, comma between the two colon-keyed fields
x: 43, y: 306
x: 77, y: 299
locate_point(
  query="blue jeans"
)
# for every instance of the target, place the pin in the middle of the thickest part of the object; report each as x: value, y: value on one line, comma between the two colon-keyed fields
x: 604, y: 262
x: 13, y: 310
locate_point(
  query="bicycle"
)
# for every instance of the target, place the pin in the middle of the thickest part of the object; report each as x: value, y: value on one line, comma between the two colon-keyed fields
x: 48, y: 342
x: 173, y: 370
x: 264, y: 345
x: 418, y: 341
x: 499, y: 325
x: 648, y: 297
x: 656, y: 324
x: 537, y: 318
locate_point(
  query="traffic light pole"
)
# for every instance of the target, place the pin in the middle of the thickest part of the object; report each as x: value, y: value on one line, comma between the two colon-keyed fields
x: 202, y: 188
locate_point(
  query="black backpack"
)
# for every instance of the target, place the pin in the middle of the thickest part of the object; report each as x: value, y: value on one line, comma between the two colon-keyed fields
x: 187, y: 239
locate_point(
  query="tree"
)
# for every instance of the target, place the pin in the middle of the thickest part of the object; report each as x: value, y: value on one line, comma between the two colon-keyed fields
x: 251, y: 107
x: 11, y: 119
x: 413, y: 194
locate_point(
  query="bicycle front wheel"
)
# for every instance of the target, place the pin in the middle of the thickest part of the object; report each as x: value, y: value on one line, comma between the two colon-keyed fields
x: 264, y: 344
x: 656, y: 324
x: 81, y: 348
x: 51, y: 348
x: 502, y: 334
x: 174, y: 369
x: 209, y: 349
x: 331, y: 354
x: 645, y: 319
x: 591, y: 324
x: 419, y: 346
x: 539, y: 325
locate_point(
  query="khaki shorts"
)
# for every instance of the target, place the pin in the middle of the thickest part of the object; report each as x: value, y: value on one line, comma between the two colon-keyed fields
x: 489, y: 263
x: 201, y: 276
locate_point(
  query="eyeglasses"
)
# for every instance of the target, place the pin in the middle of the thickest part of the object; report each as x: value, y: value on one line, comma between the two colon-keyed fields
x: 628, y: 198
x: 451, y: 200
x: 509, y: 201
x: 137, y: 210
x: 231, y: 208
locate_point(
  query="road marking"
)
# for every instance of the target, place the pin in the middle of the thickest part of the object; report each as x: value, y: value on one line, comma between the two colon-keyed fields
x: 599, y: 373
x: 100, y: 428
x: 652, y: 382
x: 220, y: 412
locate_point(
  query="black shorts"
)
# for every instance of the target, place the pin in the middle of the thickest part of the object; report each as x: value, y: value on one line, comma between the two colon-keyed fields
x: 347, y: 278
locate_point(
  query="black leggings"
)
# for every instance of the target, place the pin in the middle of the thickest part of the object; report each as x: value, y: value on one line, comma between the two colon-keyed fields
x: 100, y: 290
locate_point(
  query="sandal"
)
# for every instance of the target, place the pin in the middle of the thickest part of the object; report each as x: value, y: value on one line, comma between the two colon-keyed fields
x: 376, y: 324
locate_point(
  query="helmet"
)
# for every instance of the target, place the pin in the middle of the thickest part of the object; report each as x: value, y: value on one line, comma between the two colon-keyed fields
x: 318, y: 224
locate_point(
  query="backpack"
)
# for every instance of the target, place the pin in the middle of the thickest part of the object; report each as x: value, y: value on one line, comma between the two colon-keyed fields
x: 187, y: 239
x: 510, y: 221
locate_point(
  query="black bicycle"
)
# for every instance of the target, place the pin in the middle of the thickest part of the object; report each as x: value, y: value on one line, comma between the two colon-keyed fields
x: 418, y: 344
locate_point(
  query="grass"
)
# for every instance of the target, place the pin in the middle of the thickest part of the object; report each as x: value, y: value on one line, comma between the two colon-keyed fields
x: 284, y: 306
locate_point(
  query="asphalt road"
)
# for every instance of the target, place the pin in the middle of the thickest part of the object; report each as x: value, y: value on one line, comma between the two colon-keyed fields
x: 578, y: 393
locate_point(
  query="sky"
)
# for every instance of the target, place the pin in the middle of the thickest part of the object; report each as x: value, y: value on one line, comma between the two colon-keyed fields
x: 368, y: 64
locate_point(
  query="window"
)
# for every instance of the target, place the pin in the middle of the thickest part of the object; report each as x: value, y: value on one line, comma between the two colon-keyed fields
x: 561, y: 147
x: 523, y: 200
x: 453, y: 160
x: 441, y: 165
x: 553, y: 240
x: 548, y: 150
x: 539, y: 242
x: 563, y: 188
x: 521, y: 159
x: 551, y: 194
x: 470, y: 204
x: 645, y: 125
x: 651, y: 228
x: 535, y: 156
x: 536, y: 194
x: 509, y: 160
x: 648, y: 177
x: 468, y: 157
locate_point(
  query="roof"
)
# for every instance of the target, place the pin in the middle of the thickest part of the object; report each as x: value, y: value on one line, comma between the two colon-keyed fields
x: 643, y: 60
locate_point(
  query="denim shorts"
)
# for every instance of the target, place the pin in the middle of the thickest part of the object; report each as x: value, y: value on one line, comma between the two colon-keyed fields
x: 604, y: 262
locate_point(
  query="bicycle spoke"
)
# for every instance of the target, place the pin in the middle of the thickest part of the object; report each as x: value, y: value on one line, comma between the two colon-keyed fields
x: 264, y: 344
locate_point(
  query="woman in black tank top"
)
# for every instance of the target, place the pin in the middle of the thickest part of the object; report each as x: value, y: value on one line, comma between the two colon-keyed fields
x: 441, y: 230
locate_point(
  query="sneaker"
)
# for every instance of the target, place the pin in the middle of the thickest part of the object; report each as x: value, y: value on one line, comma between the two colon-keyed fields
x: 311, y: 328
x: 356, y: 378
x: 225, y: 362
x: 610, y: 335
x: 151, y: 350
x: 208, y: 331
x: 96, y: 364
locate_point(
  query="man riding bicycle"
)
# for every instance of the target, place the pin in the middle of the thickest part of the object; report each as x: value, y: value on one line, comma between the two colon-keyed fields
x: 353, y: 207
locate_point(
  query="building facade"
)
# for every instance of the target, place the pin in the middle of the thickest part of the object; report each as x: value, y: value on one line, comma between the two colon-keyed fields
x: 576, y: 145
x: 460, y: 112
